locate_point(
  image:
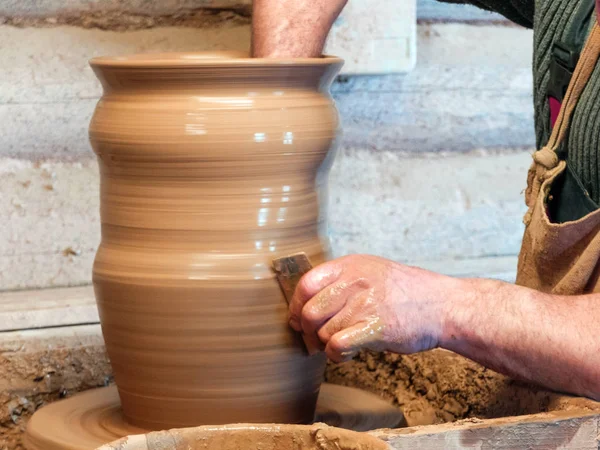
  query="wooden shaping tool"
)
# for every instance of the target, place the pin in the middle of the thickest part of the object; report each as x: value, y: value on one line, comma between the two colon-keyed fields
x: 289, y: 270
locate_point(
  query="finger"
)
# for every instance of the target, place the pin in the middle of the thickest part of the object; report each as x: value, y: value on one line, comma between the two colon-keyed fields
x: 326, y: 304
x: 312, y: 283
x: 353, y: 312
x: 313, y: 344
x: 344, y: 345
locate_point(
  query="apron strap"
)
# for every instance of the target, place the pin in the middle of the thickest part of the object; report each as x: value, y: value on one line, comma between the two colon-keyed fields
x: 582, y: 74
x: 546, y: 160
x: 565, y: 54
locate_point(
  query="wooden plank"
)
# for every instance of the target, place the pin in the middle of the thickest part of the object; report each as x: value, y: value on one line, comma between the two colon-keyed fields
x: 21, y: 310
x: 23, y: 342
x: 564, y: 430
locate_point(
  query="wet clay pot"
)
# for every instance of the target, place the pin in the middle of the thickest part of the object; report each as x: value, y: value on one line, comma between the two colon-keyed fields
x: 209, y: 169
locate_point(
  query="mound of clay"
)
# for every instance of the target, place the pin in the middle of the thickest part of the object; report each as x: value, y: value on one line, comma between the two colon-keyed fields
x: 440, y: 386
x: 263, y: 437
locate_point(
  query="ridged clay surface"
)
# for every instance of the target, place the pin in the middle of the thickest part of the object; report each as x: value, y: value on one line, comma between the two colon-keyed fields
x: 211, y: 165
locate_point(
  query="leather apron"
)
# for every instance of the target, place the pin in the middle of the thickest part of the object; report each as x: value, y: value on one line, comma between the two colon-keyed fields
x: 560, y: 258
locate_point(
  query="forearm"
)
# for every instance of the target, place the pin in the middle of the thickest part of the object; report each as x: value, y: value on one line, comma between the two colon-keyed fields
x: 532, y: 336
x: 292, y: 28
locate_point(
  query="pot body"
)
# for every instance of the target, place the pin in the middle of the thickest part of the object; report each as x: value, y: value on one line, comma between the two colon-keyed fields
x: 210, y: 168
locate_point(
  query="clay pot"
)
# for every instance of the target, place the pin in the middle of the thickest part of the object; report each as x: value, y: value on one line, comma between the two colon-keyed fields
x: 242, y: 437
x: 208, y: 166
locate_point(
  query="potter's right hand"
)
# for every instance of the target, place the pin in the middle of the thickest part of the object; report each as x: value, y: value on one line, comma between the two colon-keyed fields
x: 365, y: 302
x: 292, y: 28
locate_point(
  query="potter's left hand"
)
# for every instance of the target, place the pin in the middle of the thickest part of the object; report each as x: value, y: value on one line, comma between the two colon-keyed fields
x: 365, y: 302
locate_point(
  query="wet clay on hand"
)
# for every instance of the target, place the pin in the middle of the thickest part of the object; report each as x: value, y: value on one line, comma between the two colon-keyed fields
x: 209, y: 169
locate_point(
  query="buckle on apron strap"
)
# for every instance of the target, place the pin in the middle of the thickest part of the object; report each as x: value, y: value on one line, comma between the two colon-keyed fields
x: 565, y: 55
x: 562, y: 65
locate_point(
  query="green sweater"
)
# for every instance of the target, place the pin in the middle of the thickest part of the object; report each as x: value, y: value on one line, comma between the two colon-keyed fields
x: 549, y: 20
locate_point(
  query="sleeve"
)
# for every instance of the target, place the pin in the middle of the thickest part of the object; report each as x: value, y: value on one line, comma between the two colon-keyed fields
x: 519, y: 11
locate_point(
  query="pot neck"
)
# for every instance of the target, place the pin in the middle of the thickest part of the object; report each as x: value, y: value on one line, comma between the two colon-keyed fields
x: 232, y: 77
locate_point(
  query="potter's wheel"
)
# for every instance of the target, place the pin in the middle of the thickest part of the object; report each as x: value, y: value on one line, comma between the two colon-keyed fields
x: 88, y: 420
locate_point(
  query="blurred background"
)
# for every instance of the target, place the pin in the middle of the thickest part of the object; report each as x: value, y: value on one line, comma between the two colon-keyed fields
x: 429, y: 171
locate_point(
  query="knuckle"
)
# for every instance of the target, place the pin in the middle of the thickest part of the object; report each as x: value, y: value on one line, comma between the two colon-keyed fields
x: 317, y: 279
x: 310, y: 313
x: 362, y: 283
x: 310, y: 317
x: 336, y: 352
x: 293, y: 316
x: 361, y: 303
x: 294, y: 310
x: 336, y: 345
x: 303, y: 286
x: 309, y: 283
x: 324, y: 334
x: 335, y: 358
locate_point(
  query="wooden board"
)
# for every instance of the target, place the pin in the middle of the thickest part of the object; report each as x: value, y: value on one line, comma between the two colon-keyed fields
x: 20, y: 310
x: 576, y: 430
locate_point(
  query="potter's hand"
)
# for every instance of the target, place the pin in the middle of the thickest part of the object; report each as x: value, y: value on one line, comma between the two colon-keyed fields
x: 368, y: 302
x: 292, y: 28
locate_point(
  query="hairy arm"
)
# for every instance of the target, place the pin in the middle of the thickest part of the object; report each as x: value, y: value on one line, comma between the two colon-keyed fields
x: 365, y: 302
x: 299, y: 28
x: 546, y: 339
x: 292, y: 28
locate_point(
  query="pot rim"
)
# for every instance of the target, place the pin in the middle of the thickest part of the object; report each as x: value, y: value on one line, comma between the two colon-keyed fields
x: 205, y: 59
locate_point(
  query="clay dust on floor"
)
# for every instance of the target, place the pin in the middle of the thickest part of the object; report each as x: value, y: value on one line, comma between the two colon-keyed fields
x: 28, y: 381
